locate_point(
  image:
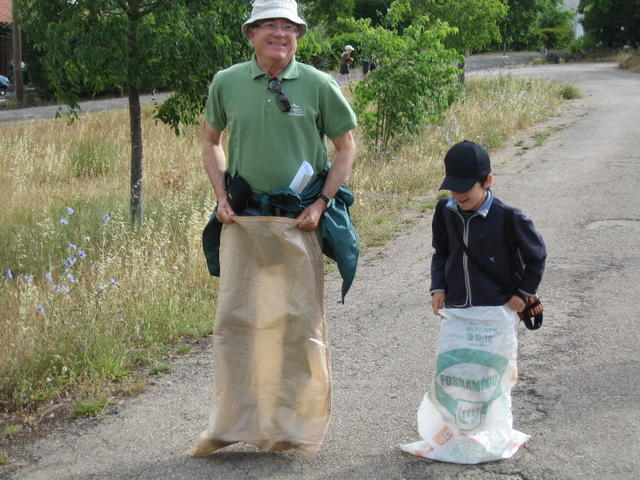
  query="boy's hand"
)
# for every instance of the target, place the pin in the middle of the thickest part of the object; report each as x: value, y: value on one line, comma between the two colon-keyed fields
x: 437, y: 301
x: 516, y: 303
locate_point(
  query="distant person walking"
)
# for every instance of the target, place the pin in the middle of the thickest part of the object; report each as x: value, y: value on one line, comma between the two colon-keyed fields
x: 368, y: 65
x: 346, y: 61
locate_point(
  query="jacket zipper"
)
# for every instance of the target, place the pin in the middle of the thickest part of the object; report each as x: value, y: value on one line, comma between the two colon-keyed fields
x: 465, y: 258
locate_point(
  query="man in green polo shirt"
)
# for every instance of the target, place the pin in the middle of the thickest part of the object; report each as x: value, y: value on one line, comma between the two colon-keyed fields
x: 266, y: 144
x: 272, y: 386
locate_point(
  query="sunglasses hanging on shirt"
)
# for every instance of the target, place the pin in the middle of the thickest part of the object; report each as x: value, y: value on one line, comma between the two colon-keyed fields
x: 281, y: 99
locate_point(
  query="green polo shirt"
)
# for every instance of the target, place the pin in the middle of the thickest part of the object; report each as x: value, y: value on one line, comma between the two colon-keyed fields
x: 267, y: 146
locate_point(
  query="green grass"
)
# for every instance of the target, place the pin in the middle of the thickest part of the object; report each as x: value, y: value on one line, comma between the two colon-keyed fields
x: 159, y: 368
x: 92, y: 157
x: 570, y: 92
x: 11, y: 429
x: 91, y: 407
x: 90, y: 300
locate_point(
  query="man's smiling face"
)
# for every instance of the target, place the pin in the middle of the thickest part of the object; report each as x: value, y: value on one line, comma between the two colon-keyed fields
x: 275, y: 40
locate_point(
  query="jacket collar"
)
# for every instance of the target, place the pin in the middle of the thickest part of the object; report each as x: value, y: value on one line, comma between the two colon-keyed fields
x: 484, y: 208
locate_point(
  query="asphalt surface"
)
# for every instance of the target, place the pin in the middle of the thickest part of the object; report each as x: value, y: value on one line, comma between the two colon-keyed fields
x: 88, y: 106
x: 579, y: 392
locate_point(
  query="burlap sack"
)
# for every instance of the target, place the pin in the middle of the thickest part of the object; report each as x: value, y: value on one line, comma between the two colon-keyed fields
x: 271, y: 357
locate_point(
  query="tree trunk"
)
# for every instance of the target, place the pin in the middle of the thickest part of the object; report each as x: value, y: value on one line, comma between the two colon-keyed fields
x: 17, y: 63
x: 461, y: 66
x: 135, y: 122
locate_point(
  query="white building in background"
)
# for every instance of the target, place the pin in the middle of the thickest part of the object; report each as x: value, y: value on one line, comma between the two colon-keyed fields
x: 572, y: 5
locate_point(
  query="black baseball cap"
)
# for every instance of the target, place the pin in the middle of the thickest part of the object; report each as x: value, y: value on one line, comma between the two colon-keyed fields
x: 464, y: 164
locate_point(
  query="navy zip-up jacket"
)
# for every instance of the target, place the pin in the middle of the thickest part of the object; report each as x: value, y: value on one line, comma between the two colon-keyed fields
x: 482, y: 231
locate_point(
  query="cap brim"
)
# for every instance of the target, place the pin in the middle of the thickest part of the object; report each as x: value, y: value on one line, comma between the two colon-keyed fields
x: 458, y: 184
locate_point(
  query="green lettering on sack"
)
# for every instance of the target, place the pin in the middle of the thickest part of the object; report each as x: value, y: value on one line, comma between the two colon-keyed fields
x: 469, y: 384
x: 496, y: 363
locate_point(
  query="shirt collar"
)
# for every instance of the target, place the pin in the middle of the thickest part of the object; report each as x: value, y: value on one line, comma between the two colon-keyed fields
x: 289, y: 73
x: 486, y: 205
x: 484, y: 208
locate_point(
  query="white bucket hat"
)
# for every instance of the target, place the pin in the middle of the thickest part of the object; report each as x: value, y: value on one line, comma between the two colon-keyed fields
x: 349, y: 47
x: 263, y: 9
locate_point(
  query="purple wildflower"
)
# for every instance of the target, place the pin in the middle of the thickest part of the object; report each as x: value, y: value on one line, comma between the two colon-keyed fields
x: 40, y: 309
x: 64, y: 221
x: 70, y: 211
x: 71, y: 261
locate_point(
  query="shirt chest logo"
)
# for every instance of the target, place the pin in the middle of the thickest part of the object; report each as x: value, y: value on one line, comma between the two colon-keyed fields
x: 296, y: 110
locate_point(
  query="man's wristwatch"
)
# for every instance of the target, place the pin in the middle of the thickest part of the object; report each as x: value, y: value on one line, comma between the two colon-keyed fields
x: 326, y: 199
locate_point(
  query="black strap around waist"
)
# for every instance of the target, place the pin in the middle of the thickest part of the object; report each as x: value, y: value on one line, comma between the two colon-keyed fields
x: 275, y: 211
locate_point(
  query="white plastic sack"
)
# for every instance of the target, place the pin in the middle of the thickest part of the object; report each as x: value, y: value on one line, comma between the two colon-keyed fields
x: 466, y: 418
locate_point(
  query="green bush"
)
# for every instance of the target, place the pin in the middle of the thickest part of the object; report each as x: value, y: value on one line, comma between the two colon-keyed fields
x: 558, y: 38
x: 570, y: 92
x: 415, y: 82
x: 316, y: 48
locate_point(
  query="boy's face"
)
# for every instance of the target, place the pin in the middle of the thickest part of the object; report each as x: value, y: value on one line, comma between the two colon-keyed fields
x: 474, y: 198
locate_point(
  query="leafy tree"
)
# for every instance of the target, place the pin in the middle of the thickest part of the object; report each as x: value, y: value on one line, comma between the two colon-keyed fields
x: 135, y: 45
x: 556, y: 25
x: 520, y: 27
x: 611, y: 23
x: 552, y: 15
x: 327, y: 11
x: 371, y: 9
x: 476, y: 21
x: 317, y: 48
x: 415, y: 81
x: 532, y: 23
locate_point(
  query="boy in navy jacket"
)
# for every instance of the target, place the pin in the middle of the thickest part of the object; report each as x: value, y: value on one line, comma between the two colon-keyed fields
x: 473, y: 215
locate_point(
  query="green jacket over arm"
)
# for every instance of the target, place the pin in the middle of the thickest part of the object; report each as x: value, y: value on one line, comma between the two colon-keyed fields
x: 339, y: 239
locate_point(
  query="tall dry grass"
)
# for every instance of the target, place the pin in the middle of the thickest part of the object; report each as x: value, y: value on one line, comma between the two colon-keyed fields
x: 629, y: 60
x: 85, y: 298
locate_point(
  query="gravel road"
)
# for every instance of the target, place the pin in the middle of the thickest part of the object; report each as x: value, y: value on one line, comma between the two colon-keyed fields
x: 579, y: 393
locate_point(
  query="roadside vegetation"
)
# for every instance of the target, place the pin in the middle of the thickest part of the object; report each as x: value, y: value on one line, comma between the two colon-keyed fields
x: 87, y: 299
x: 630, y: 60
